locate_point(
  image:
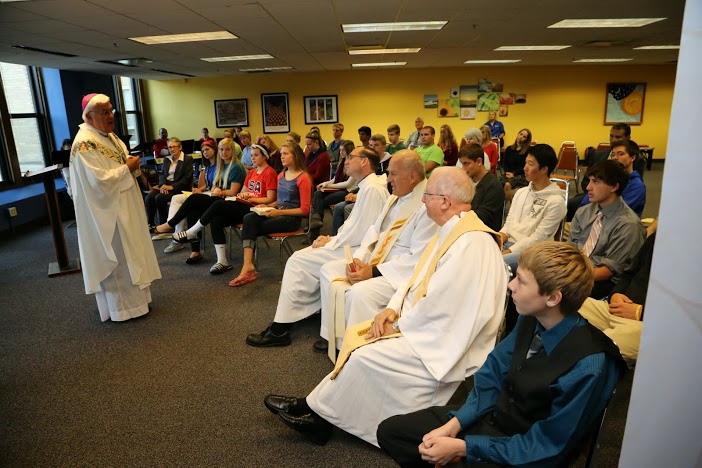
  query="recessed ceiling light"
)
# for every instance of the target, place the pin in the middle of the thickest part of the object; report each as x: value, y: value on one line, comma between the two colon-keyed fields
x: 379, y: 64
x: 605, y: 23
x: 264, y: 69
x: 602, y: 60
x: 406, y: 26
x: 190, y: 37
x: 477, y: 62
x: 235, y: 58
x: 411, y: 50
x: 534, y: 47
x: 658, y: 47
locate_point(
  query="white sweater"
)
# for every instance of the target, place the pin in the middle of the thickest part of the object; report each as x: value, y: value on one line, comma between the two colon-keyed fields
x: 534, y: 215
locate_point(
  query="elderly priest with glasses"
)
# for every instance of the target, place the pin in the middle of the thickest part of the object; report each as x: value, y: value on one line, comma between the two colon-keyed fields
x: 438, y: 328
x: 116, y: 253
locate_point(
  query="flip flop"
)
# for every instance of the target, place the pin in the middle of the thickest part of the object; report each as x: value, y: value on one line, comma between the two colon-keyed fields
x: 247, y: 278
x: 219, y: 268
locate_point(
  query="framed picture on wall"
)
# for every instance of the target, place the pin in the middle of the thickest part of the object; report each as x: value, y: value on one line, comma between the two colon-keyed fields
x: 321, y: 109
x: 624, y: 103
x: 276, y: 113
x: 232, y: 113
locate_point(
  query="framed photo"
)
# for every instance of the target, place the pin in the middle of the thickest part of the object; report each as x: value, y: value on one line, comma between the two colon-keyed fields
x: 276, y: 113
x: 624, y: 103
x: 232, y: 113
x: 321, y: 109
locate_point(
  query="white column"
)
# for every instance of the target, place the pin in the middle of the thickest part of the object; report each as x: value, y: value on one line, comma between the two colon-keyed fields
x: 664, y: 425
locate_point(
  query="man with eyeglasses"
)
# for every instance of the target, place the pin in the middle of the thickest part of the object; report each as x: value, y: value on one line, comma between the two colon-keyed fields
x: 116, y: 253
x: 176, y: 176
x: 440, y: 326
x: 300, y: 289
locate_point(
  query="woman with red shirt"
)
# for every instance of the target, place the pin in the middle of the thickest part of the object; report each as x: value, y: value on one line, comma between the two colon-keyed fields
x: 318, y: 162
x: 490, y: 148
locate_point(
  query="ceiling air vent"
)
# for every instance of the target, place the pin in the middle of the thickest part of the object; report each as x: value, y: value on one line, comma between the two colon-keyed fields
x: 42, y: 51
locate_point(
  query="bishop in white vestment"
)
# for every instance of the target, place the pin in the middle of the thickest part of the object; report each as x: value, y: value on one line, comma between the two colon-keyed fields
x: 116, y: 253
x: 438, y: 328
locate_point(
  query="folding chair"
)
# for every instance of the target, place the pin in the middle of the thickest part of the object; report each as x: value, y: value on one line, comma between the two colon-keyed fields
x: 562, y: 183
x: 283, y: 237
x: 568, y: 161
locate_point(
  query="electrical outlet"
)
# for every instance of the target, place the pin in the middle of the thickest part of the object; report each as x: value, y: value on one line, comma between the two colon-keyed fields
x: 12, y: 211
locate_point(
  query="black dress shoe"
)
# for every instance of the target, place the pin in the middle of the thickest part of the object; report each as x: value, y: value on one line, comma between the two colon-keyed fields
x: 285, y: 404
x: 321, y: 346
x: 266, y: 339
x: 315, y: 428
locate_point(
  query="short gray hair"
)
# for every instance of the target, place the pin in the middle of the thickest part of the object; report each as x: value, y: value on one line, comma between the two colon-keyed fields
x: 412, y: 162
x: 475, y: 133
x: 454, y: 183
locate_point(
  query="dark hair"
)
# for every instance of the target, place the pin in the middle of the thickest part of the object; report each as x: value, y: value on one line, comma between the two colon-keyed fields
x: 610, y: 172
x: 472, y: 151
x: 545, y: 156
x: 365, y: 130
x: 314, y: 136
x: 372, y: 157
x: 431, y: 129
x: 630, y: 146
x: 622, y: 126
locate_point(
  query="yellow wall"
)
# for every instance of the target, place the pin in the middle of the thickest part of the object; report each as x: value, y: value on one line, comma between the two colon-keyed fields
x: 563, y: 103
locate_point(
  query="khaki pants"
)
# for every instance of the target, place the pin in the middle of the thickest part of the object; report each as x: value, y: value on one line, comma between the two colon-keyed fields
x: 625, y: 333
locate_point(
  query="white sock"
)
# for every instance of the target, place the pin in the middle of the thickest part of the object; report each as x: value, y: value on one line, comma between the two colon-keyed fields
x: 192, y: 232
x: 221, y: 250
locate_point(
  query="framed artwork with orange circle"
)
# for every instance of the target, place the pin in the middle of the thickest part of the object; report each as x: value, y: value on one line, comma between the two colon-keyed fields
x: 625, y: 103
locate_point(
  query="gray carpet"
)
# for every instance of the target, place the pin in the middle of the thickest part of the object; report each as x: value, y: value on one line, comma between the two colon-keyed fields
x: 176, y: 387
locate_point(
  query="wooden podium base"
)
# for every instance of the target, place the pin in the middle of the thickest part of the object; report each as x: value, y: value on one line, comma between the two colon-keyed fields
x: 72, y: 267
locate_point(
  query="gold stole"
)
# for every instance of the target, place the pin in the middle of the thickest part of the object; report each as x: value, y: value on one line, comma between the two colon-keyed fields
x: 383, y: 246
x: 354, y: 337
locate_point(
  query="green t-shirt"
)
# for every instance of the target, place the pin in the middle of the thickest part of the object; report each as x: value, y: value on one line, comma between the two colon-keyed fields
x: 394, y: 149
x: 431, y: 153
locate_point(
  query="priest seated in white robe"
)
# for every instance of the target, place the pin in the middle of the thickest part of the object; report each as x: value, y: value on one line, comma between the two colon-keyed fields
x: 116, y: 254
x: 385, y: 259
x: 438, y: 328
x: 393, y: 241
x: 299, y: 294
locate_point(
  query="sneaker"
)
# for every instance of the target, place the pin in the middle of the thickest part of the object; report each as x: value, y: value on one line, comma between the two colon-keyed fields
x: 173, y: 246
x: 163, y: 235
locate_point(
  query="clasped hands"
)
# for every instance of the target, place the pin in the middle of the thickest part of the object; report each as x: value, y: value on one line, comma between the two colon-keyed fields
x: 165, y: 189
x: 441, y: 446
x: 382, y: 324
x: 621, y: 306
x: 363, y: 271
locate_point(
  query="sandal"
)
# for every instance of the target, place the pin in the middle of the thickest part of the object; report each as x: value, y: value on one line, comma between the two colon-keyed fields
x: 246, y: 278
x: 219, y: 268
x: 182, y: 237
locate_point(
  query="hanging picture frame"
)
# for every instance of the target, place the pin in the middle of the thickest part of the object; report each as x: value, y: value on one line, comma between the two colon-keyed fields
x: 321, y: 109
x: 231, y: 113
x: 276, y: 113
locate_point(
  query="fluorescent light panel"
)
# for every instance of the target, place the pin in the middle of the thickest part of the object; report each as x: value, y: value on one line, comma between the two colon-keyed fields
x: 379, y: 64
x: 410, y: 50
x: 264, y: 69
x: 234, y: 58
x: 658, y: 47
x: 538, y: 47
x: 478, y: 62
x: 602, y: 60
x: 605, y: 23
x: 401, y: 26
x: 189, y: 37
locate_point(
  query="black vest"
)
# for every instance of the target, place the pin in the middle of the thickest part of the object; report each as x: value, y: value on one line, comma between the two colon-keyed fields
x: 526, y: 397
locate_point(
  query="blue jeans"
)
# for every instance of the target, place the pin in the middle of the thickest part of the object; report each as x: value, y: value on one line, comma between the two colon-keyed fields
x: 510, y: 259
x: 342, y: 211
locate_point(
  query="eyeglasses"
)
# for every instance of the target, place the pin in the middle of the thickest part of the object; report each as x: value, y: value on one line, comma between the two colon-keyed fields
x: 104, y: 113
x: 427, y: 194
